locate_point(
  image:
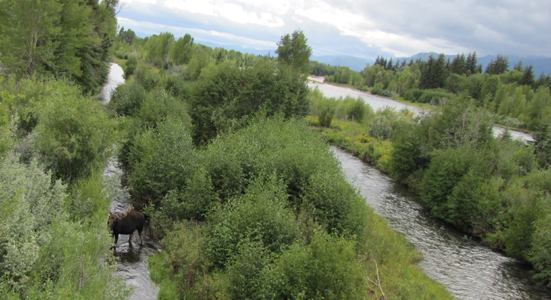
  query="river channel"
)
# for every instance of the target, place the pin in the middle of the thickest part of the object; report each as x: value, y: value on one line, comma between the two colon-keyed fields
x: 131, y: 257
x: 378, y: 102
x: 468, y: 269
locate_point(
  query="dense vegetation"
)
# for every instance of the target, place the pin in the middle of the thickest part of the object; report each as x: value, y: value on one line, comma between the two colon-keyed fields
x: 53, y: 238
x: 54, y: 142
x: 60, y: 38
x: 515, y: 97
x: 247, y: 202
x: 495, y: 188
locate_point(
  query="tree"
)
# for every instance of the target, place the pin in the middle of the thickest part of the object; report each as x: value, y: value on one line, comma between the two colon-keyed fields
x: 528, y: 76
x: 64, y: 38
x: 127, y: 36
x: 434, y: 73
x: 181, y: 51
x: 471, y: 63
x: 27, y: 29
x: 294, y: 52
x: 458, y: 65
x: 499, y: 66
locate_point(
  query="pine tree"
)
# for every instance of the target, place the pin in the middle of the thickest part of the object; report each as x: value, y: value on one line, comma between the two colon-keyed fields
x: 528, y: 76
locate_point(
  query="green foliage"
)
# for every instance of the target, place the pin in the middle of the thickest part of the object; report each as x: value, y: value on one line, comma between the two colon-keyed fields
x: 147, y: 77
x: 227, y: 97
x: 539, y: 255
x: 128, y: 98
x: 446, y: 169
x: 62, y: 38
x: 181, y: 51
x: 324, y: 269
x: 260, y: 215
x: 247, y: 272
x: 293, y: 51
x: 73, y: 134
x: 413, y: 95
x: 162, y: 159
x: 435, y: 97
x: 157, y: 49
x: 130, y: 67
x: 335, y: 203
x: 42, y: 253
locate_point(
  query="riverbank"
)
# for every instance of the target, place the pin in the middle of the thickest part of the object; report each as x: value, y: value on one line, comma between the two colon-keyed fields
x: 353, y: 137
x: 418, y: 108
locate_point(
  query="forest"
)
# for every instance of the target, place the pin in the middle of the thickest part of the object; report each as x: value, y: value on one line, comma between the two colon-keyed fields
x: 227, y: 154
x: 514, y: 96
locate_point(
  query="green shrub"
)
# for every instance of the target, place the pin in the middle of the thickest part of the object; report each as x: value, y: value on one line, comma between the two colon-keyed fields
x: 539, y: 255
x: 147, y: 77
x: 358, y: 110
x: 435, y: 97
x: 336, y: 204
x: 325, y: 118
x: 127, y: 98
x: 324, y: 269
x: 42, y: 252
x: 246, y: 273
x: 446, y: 169
x: 227, y: 97
x: 162, y: 159
x: 381, y: 128
x: 412, y: 95
x: 74, y: 134
x: 130, y: 66
x: 260, y: 215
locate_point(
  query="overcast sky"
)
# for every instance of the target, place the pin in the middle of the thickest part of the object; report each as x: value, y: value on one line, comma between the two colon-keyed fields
x: 359, y: 28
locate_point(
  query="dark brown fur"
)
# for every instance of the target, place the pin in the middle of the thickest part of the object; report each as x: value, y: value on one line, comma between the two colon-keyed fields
x: 126, y: 224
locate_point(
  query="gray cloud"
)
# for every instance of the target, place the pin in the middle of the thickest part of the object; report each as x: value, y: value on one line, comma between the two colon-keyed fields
x: 371, y: 28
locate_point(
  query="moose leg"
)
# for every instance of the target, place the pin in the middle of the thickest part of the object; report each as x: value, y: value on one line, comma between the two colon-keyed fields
x: 116, y: 240
x: 130, y: 238
x: 141, y: 235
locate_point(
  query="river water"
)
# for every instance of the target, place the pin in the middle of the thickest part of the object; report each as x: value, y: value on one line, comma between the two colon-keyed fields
x: 131, y: 257
x: 466, y: 268
x: 378, y: 102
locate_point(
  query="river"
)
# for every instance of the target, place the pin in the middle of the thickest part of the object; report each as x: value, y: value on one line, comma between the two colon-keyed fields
x: 378, y: 102
x: 466, y: 268
x: 131, y: 257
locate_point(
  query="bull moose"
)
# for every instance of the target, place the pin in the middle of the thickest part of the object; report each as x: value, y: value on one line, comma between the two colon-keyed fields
x: 127, y: 223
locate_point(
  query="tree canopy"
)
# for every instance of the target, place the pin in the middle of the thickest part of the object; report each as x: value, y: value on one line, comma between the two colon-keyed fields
x: 293, y: 51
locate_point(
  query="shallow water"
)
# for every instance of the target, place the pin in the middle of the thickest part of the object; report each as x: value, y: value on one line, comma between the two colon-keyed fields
x: 466, y: 268
x: 131, y: 257
x: 378, y: 102
x: 114, y: 79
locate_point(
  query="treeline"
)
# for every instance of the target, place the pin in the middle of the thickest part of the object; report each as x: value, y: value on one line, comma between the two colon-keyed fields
x: 495, y: 188
x: 165, y: 52
x: 514, y: 96
x: 59, y: 38
x: 246, y: 200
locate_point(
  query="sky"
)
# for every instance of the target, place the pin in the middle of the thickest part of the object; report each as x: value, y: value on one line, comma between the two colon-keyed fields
x: 361, y: 28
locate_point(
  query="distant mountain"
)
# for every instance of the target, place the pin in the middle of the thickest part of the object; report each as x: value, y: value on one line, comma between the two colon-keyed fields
x: 354, y: 63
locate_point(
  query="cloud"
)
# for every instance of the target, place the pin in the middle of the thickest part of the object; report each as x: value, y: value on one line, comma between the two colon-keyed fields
x: 211, y: 36
x: 397, y: 27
